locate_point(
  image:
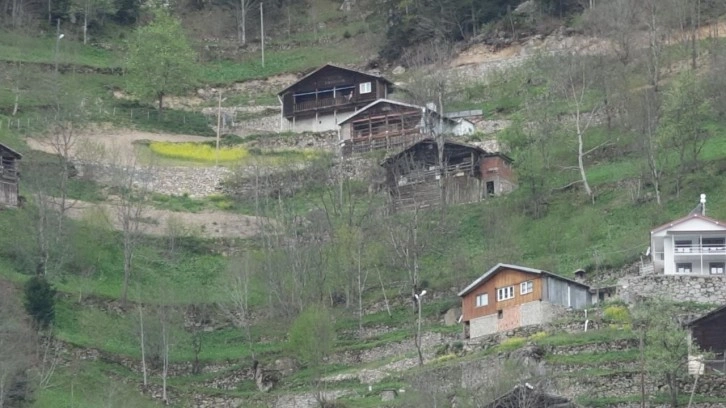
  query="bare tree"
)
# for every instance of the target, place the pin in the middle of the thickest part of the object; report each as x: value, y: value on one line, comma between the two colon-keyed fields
x: 243, y: 8
x: 237, y: 302
x: 131, y: 180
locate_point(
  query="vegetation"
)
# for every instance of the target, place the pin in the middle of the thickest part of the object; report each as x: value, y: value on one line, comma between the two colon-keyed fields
x: 160, y: 61
x: 605, y: 147
x: 198, y: 152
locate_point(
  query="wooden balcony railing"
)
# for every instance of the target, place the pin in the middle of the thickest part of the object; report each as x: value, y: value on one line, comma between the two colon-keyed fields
x: 330, y: 102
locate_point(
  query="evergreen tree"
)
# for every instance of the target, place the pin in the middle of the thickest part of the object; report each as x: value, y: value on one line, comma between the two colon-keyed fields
x: 40, y: 301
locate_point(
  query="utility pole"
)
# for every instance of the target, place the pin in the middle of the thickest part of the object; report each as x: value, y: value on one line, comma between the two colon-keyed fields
x: 219, y: 125
x: 262, y: 34
x: 58, y: 37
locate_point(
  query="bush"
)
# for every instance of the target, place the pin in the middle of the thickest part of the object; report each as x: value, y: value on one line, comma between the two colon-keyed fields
x: 616, y: 314
x: 512, y: 343
x: 40, y: 301
x: 312, y: 336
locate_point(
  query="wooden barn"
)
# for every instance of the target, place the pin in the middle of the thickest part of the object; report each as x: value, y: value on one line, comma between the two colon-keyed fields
x: 320, y: 100
x: 385, y: 125
x: 414, y: 178
x: 708, y: 332
x: 9, y: 176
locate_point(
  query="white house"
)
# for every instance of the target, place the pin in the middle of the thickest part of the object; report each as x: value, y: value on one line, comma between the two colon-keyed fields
x: 692, y: 245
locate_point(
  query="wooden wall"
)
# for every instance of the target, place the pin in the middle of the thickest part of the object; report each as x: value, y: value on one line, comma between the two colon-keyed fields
x: 504, y: 277
x: 710, y: 333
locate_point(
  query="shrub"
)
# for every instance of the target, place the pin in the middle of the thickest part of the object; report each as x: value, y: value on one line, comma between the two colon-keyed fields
x: 40, y: 301
x: 616, y: 314
x: 538, y: 336
x: 512, y: 343
x: 197, y: 151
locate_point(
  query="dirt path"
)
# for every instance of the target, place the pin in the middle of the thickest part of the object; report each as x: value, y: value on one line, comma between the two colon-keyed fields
x: 113, y: 141
x: 206, y: 224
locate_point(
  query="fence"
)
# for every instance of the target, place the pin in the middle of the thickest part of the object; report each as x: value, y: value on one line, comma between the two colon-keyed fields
x: 170, y: 120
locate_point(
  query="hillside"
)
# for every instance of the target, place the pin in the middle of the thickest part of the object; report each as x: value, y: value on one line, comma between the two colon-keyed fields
x: 273, y: 273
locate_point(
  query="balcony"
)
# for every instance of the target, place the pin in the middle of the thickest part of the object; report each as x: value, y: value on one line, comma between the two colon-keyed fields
x: 699, y: 249
x: 339, y: 101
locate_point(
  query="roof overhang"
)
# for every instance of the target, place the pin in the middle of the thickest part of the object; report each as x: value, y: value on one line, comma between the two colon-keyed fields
x: 315, y: 71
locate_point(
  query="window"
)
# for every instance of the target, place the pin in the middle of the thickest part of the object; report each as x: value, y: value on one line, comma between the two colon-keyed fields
x: 683, y: 245
x: 526, y: 287
x: 683, y: 267
x: 365, y: 87
x: 713, y: 244
x: 505, y: 293
x: 716, y: 268
x: 482, y: 300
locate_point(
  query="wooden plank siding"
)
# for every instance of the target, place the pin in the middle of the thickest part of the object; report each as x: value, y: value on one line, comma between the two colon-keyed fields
x: 710, y: 332
x: 329, y: 89
x: 505, y: 277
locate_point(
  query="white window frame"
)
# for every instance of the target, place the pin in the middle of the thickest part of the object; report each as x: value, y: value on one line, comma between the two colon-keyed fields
x: 716, y: 268
x: 505, y: 293
x: 526, y: 287
x: 364, y: 88
x: 482, y: 299
x: 681, y: 267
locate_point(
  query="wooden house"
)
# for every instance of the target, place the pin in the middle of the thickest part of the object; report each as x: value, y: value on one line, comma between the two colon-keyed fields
x: 320, y: 100
x: 9, y: 176
x: 416, y: 179
x: 528, y: 396
x: 385, y: 124
x: 708, y: 332
x: 507, y: 297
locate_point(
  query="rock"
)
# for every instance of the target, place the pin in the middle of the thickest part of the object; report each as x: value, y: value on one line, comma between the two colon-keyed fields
x: 285, y: 365
x: 388, y: 395
x: 451, y: 317
x: 398, y: 70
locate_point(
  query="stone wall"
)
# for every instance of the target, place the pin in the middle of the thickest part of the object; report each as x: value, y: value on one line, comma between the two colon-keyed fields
x: 483, y: 326
x: 701, y: 289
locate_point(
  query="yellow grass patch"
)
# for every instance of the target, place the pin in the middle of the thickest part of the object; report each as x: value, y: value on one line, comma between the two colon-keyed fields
x: 198, y: 152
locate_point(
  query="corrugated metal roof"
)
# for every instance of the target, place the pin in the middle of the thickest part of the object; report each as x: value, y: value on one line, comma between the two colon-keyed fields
x: 501, y: 266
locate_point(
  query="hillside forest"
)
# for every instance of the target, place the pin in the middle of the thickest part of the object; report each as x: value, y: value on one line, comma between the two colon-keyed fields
x: 173, y: 247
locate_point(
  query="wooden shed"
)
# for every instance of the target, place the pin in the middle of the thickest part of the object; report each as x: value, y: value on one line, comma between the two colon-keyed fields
x: 320, y: 100
x: 708, y: 332
x: 414, y: 177
x: 386, y: 125
x: 9, y: 176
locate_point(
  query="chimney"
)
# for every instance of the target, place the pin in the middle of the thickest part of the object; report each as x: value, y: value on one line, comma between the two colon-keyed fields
x: 703, y: 204
x: 580, y: 275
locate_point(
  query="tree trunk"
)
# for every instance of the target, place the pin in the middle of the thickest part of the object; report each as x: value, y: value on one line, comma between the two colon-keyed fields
x: 85, y: 24
x: 143, y: 349
x: 242, y: 23
x: 161, y: 103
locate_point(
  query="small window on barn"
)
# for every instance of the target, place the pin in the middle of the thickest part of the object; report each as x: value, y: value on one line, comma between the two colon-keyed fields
x: 683, y: 267
x: 482, y: 300
x: 716, y: 268
x: 365, y: 87
x: 505, y: 293
x: 526, y: 287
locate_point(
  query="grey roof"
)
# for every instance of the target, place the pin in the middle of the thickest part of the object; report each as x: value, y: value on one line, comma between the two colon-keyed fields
x: 707, y: 315
x: 376, y: 102
x: 11, y: 151
x: 501, y: 266
x: 315, y: 71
